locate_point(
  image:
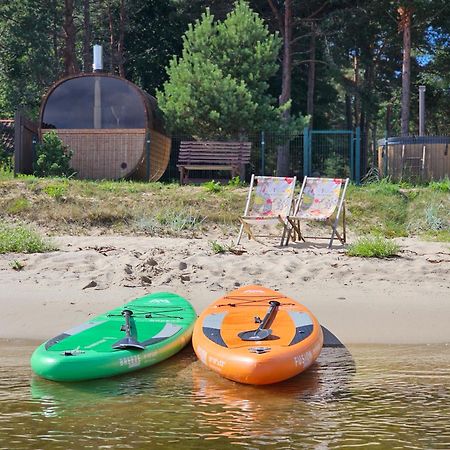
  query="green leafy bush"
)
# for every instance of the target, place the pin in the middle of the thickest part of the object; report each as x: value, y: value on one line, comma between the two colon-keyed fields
x: 20, y: 239
x: 213, y: 186
x: 217, y: 247
x: 57, y: 191
x: 6, y: 164
x: 236, y: 182
x: 442, y: 185
x: 373, y: 247
x: 53, y: 157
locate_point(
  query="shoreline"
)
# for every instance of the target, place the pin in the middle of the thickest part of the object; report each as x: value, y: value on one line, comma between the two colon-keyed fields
x: 404, y: 300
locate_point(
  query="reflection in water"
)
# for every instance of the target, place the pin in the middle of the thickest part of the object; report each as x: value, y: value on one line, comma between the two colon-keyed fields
x: 379, y: 396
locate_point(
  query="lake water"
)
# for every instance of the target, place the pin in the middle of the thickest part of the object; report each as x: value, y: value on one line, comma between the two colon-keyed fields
x: 370, y: 397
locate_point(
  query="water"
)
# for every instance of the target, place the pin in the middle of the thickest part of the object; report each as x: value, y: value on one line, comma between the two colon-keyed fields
x: 371, y: 397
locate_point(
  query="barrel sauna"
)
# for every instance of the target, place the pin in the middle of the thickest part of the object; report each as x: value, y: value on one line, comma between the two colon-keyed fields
x: 112, y: 126
x: 421, y: 158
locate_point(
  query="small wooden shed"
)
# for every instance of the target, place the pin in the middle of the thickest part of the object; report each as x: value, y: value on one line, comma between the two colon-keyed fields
x: 423, y: 158
x: 113, y: 127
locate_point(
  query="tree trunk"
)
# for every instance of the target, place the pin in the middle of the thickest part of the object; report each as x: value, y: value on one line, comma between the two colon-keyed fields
x: 111, y: 37
x: 405, y: 15
x: 55, y: 29
x: 120, y: 44
x: 348, y: 112
x: 286, y: 79
x: 311, y: 76
x: 70, y: 60
x: 87, y: 63
x: 356, y: 82
x: 367, y: 111
x: 389, y: 120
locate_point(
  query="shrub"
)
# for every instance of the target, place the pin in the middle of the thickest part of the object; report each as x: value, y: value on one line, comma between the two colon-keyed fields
x: 442, y: 186
x: 53, y: 157
x: 213, y: 186
x: 373, y: 247
x: 6, y: 164
x: 217, y: 247
x: 20, y: 239
x: 236, y: 182
x: 57, y: 191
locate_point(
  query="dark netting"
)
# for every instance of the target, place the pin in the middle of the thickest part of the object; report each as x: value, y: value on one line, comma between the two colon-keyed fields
x: 94, y: 102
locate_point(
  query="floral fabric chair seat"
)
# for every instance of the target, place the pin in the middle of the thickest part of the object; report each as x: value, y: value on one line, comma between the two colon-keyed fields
x: 269, y: 199
x: 319, y: 200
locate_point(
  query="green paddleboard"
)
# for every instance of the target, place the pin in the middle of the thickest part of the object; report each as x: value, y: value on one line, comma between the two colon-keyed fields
x: 142, y: 332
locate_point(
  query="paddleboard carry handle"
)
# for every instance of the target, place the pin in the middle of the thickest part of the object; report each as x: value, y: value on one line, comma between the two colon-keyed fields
x: 263, y: 331
x: 128, y: 342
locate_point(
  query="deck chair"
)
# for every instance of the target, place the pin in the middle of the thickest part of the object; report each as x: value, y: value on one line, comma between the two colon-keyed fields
x: 318, y: 200
x: 269, y: 199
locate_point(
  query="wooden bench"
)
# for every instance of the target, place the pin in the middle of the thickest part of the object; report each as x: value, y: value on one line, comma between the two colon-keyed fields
x: 212, y: 155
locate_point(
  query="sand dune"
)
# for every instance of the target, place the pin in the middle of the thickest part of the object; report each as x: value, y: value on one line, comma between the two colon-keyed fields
x: 398, y: 300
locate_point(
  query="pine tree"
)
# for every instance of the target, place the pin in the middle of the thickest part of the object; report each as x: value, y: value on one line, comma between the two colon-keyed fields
x: 219, y: 85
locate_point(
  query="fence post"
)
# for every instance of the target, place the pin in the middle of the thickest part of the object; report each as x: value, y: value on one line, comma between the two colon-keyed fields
x: 358, y: 156
x: 263, y: 153
x: 306, y: 152
x: 147, y: 155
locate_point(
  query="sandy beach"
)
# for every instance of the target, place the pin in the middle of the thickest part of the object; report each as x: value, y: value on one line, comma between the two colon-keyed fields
x: 402, y: 300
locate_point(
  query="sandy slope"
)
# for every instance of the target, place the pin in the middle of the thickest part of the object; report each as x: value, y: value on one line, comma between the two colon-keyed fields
x: 399, y: 300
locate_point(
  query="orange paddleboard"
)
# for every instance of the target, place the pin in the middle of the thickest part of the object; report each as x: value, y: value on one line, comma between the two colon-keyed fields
x: 257, y: 336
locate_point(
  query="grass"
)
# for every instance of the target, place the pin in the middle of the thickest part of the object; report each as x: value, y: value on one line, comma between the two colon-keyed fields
x: 20, y: 239
x: 399, y: 210
x: 217, y: 247
x: 373, y: 247
x: 77, y: 206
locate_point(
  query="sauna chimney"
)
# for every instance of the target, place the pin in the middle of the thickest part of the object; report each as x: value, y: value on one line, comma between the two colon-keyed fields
x: 97, y: 66
x: 422, y: 110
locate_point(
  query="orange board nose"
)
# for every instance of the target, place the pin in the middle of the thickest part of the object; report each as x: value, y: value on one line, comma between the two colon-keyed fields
x: 231, y: 339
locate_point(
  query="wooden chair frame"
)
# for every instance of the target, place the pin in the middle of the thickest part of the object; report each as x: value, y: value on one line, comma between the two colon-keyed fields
x: 245, y: 226
x: 292, y: 227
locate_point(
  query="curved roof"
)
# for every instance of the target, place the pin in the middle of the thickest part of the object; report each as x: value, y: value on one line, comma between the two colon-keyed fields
x: 98, y: 101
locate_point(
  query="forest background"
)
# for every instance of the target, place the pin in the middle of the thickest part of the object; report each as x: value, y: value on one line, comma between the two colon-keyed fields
x: 345, y: 64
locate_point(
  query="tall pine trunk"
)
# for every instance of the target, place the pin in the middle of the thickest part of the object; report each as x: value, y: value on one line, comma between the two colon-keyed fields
x: 87, y: 63
x: 120, y: 43
x: 311, y: 76
x: 286, y: 81
x: 405, y: 16
x: 70, y: 32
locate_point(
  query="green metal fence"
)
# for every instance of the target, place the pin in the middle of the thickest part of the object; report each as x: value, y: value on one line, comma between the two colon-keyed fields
x: 331, y: 153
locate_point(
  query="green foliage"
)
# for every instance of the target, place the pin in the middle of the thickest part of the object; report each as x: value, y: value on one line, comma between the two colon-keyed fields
x: 17, y: 205
x: 6, y: 174
x: 53, y: 157
x: 217, y: 247
x: 441, y: 186
x: 6, y: 163
x: 20, y: 239
x: 219, y: 86
x: 437, y: 218
x: 213, y: 186
x: 169, y: 221
x: 56, y: 190
x: 236, y: 182
x: 373, y: 247
x: 27, y: 66
x: 335, y: 167
x: 17, y: 265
